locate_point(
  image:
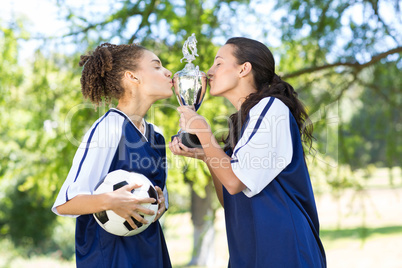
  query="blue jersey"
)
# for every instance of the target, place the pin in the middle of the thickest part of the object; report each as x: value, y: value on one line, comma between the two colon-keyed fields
x: 273, y: 222
x: 113, y: 143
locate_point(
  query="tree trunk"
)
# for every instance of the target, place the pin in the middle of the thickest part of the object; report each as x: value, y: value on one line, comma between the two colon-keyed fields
x: 203, y: 218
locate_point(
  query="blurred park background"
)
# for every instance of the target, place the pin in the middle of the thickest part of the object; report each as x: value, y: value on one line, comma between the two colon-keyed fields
x: 343, y: 57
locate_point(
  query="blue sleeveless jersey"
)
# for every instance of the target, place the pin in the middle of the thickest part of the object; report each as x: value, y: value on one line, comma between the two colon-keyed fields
x: 277, y: 227
x: 115, y: 143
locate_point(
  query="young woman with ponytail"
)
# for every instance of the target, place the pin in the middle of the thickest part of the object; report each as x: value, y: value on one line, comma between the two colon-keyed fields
x: 136, y: 78
x: 261, y: 178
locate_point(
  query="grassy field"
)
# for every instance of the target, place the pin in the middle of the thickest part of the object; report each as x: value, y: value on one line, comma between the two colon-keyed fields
x: 359, y: 229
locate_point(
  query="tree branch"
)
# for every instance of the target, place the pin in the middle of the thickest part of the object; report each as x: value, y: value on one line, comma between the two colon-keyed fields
x: 144, y: 22
x: 355, y: 65
x: 122, y: 15
x: 84, y: 30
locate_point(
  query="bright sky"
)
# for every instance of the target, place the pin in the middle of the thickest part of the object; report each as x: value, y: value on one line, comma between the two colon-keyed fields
x: 44, y: 16
x: 44, y: 19
x: 41, y: 13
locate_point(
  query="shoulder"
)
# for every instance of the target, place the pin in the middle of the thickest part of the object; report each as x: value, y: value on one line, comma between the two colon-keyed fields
x: 111, y: 122
x: 157, y: 130
x: 271, y: 105
x: 155, y: 134
x: 107, y: 128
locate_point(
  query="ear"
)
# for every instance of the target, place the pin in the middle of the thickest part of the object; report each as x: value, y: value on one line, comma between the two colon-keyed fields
x: 130, y: 76
x: 245, y: 69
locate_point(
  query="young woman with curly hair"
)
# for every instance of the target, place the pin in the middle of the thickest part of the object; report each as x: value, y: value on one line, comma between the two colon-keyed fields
x: 136, y: 78
x: 260, y: 177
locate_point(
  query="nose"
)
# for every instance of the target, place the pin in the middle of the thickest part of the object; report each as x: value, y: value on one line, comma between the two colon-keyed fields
x: 210, y: 73
x: 168, y: 73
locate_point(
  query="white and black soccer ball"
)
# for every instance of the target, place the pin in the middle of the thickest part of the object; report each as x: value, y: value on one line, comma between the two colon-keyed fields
x: 112, y: 222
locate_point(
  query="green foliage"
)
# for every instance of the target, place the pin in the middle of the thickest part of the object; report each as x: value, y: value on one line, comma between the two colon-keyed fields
x: 26, y: 210
x: 374, y: 130
x: 37, y: 140
x: 11, y: 78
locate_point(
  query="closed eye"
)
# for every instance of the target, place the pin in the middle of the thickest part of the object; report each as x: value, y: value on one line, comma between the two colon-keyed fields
x: 157, y: 63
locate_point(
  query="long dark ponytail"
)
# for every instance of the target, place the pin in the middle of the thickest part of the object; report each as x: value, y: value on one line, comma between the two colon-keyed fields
x: 268, y: 84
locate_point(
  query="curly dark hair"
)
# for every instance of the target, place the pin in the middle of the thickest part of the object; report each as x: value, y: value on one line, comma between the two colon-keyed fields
x: 268, y: 84
x: 104, y: 68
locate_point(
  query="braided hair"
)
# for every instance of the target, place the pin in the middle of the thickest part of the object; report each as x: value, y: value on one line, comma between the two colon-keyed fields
x: 104, y: 68
x: 268, y: 84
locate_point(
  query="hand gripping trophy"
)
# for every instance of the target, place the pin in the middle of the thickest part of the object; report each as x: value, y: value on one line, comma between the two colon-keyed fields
x: 190, y: 85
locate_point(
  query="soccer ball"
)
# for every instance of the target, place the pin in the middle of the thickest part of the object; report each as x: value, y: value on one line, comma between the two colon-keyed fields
x: 112, y: 222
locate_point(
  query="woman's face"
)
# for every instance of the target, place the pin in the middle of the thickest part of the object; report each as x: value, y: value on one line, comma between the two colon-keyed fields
x: 224, y: 72
x: 155, y: 80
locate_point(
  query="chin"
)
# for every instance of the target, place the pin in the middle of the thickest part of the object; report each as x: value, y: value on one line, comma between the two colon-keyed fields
x: 168, y: 95
x: 163, y: 96
x: 214, y: 93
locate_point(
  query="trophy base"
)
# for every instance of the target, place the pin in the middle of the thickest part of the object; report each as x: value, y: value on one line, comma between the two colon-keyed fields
x: 188, y: 139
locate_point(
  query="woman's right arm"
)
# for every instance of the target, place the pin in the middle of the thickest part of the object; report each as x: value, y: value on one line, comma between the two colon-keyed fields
x: 121, y: 201
x: 84, y: 204
x: 218, y: 186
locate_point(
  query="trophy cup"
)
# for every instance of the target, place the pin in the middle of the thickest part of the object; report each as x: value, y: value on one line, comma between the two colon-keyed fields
x: 190, y: 85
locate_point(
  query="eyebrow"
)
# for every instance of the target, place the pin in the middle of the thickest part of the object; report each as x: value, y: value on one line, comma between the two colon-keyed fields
x: 157, y: 61
x: 218, y: 57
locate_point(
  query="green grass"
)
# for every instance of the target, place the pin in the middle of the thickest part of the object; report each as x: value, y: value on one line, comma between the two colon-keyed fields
x: 362, y: 233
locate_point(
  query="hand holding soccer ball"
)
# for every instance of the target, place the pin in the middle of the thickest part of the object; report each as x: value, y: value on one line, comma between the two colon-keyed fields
x: 133, y: 204
x: 161, y: 202
x: 128, y: 206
